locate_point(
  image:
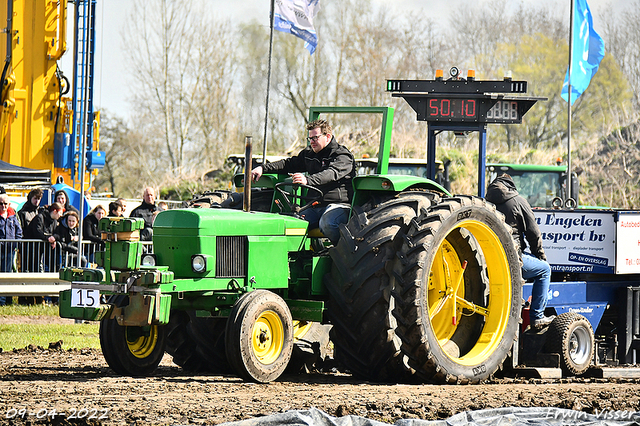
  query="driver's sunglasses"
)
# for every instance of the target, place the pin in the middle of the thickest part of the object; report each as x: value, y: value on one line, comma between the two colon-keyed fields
x: 3, y: 204
x: 315, y: 138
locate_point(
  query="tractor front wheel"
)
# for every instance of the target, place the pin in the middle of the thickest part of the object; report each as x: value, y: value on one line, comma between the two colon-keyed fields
x: 259, y: 336
x: 132, y: 351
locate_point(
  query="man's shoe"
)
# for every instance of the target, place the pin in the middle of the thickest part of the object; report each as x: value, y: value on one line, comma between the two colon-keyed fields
x: 541, y: 323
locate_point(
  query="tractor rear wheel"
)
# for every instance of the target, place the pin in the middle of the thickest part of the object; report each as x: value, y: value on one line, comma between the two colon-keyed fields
x: 181, y: 346
x: 570, y: 335
x: 208, y: 334
x: 259, y: 336
x: 360, y: 304
x: 457, y: 286
x: 132, y: 351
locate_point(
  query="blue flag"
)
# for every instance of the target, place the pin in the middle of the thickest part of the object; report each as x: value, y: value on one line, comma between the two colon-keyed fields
x: 296, y: 17
x: 588, y: 50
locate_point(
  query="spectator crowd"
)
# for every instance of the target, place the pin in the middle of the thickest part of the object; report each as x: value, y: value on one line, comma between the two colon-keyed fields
x: 50, y: 233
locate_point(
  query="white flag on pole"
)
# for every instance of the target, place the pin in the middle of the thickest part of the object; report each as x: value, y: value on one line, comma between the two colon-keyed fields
x: 296, y: 17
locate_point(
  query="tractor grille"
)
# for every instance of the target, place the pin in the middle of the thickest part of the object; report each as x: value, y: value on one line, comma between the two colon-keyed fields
x: 231, y: 257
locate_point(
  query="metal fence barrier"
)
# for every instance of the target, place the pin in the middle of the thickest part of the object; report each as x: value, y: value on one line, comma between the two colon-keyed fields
x: 30, y: 267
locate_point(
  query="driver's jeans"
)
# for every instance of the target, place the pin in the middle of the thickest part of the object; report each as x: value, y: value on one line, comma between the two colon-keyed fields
x: 328, y: 219
x: 540, y: 272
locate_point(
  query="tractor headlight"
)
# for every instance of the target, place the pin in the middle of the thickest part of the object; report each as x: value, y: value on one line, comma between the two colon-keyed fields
x: 148, y: 259
x: 198, y: 263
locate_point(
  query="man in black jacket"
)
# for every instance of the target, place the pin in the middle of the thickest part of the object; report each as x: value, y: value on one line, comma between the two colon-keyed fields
x: 145, y: 211
x: 30, y: 208
x: 42, y: 227
x: 330, y: 168
x: 503, y: 193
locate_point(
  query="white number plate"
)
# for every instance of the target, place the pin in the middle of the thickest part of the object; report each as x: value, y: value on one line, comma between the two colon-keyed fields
x: 85, y: 298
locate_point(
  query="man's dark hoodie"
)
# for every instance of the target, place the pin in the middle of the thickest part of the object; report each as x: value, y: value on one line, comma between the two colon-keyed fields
x: 27, y: 213
x: 41, y: 227
x: 330, y: 170
x: 503, y: 193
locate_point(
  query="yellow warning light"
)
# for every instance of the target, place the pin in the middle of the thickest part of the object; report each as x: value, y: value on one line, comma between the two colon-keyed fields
x: 471, y: 74
x: 439, y: 74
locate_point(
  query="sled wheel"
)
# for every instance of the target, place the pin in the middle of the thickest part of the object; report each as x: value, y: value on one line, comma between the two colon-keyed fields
x: 132, y: 351
x: 571, y: 336
x: 259, y: 336
x: 458, y: 291
x: 360, y: 304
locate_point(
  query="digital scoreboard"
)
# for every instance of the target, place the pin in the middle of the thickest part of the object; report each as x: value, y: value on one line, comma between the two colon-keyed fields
x: 452, y: 109
x: 465, y: 101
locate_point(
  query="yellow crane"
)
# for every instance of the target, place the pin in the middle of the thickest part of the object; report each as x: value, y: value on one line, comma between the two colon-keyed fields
x: 40, y: 127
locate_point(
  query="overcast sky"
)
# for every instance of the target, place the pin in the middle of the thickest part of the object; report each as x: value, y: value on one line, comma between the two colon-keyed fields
x: 111, y: 77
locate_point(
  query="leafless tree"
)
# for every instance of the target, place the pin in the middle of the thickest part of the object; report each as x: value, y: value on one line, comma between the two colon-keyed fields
x: 622, y: 39
x: 183, y: 61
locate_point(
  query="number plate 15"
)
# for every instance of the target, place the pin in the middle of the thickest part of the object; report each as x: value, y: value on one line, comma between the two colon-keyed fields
x: 85, y: 298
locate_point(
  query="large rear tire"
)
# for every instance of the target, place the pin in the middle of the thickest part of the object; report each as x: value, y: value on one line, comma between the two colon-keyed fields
x: 208, y: 334
x: 458, y: 285
x: 570, y: 335
x: 259, y: 336
x: 360, y: 304
x: 181, y: 346
x: 132, y: 351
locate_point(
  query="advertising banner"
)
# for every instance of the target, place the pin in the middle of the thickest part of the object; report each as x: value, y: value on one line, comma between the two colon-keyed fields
x: 628, y: 244
x: 579, y: 241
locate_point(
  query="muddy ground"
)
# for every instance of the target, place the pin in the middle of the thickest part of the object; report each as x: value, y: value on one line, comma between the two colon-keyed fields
x: 77, y: 387
x: 40, y: 381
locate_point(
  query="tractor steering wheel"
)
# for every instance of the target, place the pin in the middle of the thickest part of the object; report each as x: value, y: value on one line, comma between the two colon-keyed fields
x: 313, y: 196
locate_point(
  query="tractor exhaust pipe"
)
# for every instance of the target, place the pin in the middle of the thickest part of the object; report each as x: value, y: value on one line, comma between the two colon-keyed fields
x: 248, y: 164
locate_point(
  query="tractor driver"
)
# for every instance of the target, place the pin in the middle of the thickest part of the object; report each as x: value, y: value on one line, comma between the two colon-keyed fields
x: 330, y: 167
x: 518, y: 214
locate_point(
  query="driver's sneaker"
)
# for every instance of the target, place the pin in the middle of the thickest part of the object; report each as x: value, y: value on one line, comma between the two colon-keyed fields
x: 541, y: 323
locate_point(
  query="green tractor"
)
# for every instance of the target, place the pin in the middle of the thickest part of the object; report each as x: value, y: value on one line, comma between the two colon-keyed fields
x: 542, y: 186
x: 422, y: 285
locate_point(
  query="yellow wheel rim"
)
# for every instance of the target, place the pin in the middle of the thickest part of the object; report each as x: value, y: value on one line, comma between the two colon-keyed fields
x: 300, y: 328
x: 446, y: 294
x: 142, y: 341
x: 267, y: 337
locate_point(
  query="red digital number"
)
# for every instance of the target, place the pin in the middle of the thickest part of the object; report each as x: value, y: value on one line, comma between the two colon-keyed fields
x: 433, y: 109
x: 445, y: 104
x: 470, y: 103
x: 449, y: 108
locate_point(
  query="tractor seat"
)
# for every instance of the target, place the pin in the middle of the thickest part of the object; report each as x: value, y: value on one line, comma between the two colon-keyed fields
x: 315, y: 233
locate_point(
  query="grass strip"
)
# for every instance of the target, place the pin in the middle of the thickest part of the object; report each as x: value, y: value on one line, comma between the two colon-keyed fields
x: 72, y: 335
x: 15, y: 309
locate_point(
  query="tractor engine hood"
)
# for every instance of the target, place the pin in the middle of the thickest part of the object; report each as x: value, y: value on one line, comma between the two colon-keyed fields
x: 224, y: 222
x: 233, y: 243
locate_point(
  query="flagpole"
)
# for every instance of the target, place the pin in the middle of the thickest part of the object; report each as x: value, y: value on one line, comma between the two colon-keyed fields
x: 569, y: 194
x: 266, y: 112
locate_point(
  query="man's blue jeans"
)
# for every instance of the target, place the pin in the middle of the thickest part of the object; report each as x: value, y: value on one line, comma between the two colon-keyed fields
x: 540, y: 272
x: 328, y: 219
